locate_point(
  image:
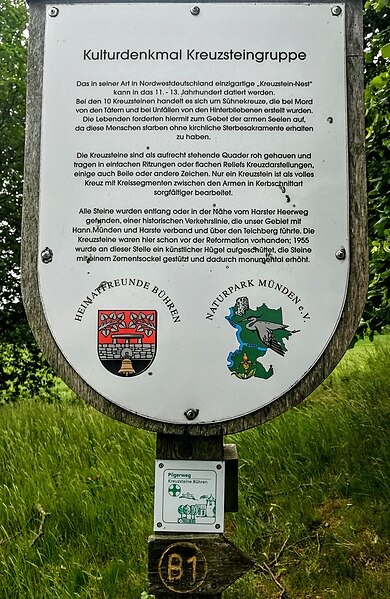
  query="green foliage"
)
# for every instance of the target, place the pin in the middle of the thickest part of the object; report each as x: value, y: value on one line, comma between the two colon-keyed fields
x: 377, y: 99
x: 22, y: 367
x: 76, y: 498
x: 24, y: 371
x: 13, y: 54
x: 76, y: 503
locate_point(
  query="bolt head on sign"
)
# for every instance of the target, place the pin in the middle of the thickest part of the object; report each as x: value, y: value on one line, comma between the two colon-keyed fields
x: 192, y: 257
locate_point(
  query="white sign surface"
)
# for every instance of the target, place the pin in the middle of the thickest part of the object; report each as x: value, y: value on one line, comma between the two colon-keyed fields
x: 189, y: 496
x: 194, y: 193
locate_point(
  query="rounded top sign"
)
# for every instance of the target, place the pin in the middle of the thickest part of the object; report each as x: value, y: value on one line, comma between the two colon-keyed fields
x: 191, y: 206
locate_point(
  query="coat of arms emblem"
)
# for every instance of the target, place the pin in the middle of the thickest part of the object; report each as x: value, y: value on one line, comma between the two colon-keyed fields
x: 127, y: 340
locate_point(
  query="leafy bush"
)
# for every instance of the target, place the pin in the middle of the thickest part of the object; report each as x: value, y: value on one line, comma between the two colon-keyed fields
x: 23, y: 369
x: 377, y: 99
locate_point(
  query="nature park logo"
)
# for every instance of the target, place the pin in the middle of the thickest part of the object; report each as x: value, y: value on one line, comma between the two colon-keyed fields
x: 257, y: 332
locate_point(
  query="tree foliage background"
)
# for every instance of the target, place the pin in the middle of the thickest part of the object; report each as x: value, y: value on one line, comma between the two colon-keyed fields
x: 377, y: 99
x: 22, y: 367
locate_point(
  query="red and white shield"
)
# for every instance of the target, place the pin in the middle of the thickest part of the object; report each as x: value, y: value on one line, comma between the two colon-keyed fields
x: 127, y: 340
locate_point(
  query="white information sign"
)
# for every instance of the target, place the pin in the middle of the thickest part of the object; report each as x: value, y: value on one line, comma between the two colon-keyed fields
x: 189, y: 496
x: 193, y: 199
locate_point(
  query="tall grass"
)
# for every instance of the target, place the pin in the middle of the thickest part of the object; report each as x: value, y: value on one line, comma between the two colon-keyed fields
x: 315, y: 489
x: 93, y: 479
x: 76, y: 496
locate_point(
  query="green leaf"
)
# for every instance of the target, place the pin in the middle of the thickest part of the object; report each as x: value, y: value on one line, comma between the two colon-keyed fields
x: 385, y: 51
x: 381, y: 4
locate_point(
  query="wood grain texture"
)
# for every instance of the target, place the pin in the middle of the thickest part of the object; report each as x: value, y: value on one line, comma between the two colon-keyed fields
x: 358, y: 251
x: 223, y: 563
x: 188, y: 447
x: 230, y: 457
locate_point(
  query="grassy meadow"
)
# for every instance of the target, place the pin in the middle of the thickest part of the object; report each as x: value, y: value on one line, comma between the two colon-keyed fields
x: 76, y: 496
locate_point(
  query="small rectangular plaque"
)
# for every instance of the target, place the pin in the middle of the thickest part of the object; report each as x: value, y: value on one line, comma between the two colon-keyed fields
x: 189, y: 496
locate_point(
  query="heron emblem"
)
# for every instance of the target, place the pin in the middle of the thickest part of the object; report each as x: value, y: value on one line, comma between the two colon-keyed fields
x: 257, y: 331
x: 265, y: 331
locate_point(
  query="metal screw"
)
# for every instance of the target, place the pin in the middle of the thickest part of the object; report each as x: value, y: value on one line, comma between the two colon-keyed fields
x: 159, y: 524
x: 336, y: 11
x: 217, y: 526
x: 46, y: 255
x: 330, y: 120
x: 341, y: 254
x: 161, y: 465
x: 191, y: 414
x: 53, y: 11
x: 195, y: 10
x: 219, y: 466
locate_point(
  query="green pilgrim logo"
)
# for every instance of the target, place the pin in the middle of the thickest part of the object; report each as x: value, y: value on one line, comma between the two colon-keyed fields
x: 257, y: 331
x: 174, y: 490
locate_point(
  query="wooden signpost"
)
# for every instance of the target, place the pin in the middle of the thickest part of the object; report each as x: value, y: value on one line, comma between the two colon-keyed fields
x: 194, y: 255
x: 209, y: 563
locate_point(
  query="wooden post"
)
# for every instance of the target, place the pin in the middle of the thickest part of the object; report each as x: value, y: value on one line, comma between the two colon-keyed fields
x: 187, y: 447
x: 186, y: 564
x: 183, y: 563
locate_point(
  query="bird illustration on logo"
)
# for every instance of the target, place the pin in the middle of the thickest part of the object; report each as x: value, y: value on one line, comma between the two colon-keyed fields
x: 265, y: 331
x: 257, y: 331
